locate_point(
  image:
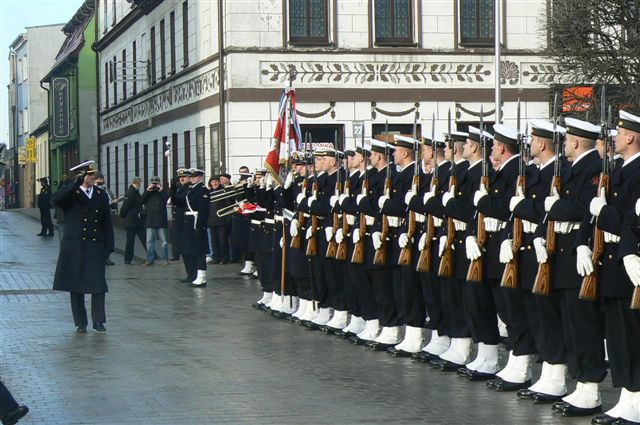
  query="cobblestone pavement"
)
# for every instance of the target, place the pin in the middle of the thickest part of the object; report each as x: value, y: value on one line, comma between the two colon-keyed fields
x: 176, y: 355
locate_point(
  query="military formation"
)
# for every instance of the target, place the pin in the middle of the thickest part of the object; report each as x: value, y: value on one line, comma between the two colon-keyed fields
x: 527, y: 238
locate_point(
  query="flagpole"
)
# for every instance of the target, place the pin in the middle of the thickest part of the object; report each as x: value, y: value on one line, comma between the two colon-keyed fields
x: 498, y: 31
x: 283, y: 265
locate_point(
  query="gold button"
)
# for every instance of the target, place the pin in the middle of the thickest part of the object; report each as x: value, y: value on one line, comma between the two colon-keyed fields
x: 529, y: 247
x: 610, y: 257
x: 84, y: 239
x: 94, y: 239
x: 95, y: 221
x: 84, y: 228
x: 561, y: 249
x: 85, y: 219
x: 615, y: 194
x: 459, y: 193
x: 568, y: 192
x: 496, y: 191
x: 533, y: 196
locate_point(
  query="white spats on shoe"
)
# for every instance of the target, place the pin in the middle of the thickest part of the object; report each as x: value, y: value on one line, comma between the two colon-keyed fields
x: 312, y: 312
x: 586, y: 395
x: 302, y: 308
x: 201, y: 278
x: 458, y: 352
x: 389, y: 335
x: 412, y: 341
x: 289, y: 304
x: 266, y: 298
x: 631, y: 408
x: 486, y: 360
x: 248, y: 268
x: 520, y: 370
x: 209, y: 260
x: 339, y: 320
x: 275, y: 303
x: 552, y: 380
x: 438, y: 344
x: 324, y: 315
x: 623, y: 401
x: 370, y: 331
x: 356, y: 325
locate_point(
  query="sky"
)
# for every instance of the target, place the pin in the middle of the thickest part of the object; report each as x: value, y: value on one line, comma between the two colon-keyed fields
x: 15, y: 15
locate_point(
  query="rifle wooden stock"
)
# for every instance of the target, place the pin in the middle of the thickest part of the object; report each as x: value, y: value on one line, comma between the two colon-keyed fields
x: 358, y: 249
x: 510, y: 273
x: 589, y: 287
x: 312, y: 243
x: 406, y: 253
x: 635, y: 299
x: 341, y: 253
x: 380, y: 256
x: 542, y: 284
x: 551, y: 234
x: 296, y: 241
x: 332, y: 247
x: 424, y: 260
x: 475, y: 271
x: 446, y: 262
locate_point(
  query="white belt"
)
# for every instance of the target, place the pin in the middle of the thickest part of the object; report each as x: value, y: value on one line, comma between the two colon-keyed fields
x: 306, y: 215
x: 193, y: 213
x: 420, y: 218
x: 529, y: 227
x: 351, y: 219
x: 460, y: 226
x: 256, y: 222
x: 369, y: 220
x: 393, y: 221
x: 278, y: 218
x: 269, y: 221
x: 437, y: 222
x: 565, y: 227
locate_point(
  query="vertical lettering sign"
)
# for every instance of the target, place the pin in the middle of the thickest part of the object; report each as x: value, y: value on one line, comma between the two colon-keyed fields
x: 200, y: 148
x: 60, y: 108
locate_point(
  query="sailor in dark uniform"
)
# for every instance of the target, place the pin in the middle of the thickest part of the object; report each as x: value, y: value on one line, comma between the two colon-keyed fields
x: 178, y: 193
x: 196, y: 244
x: 88, y: 240
x: 44, y: 205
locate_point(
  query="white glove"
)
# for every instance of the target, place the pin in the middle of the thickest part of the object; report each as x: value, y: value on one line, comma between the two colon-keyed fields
x: 441, y: 245
x: 333, y: 200
x: 422, y: 242
x: 430, y: 194
x: 263, y: 182
x: 270, y: 182
x: 299, y: 198
x: 437, y: 222
x: 611, y: 238
x: 515, y: 200
x: 382, y: 200
x: 638, y: 207
x: 310, y: 200
x: 598, y: 203
x: 250, y: 182
x: 355, y: 236
x: 328, y: 233
x: 309, y: 233
x: 339, y: 235
x: 541, y: 250
x: 281, y: 242
x: 550, y: 200
x: 360, y: 197
x: 409, y: 196
x: 632, y: 266
x: 479, y: 194
x: 342, y: 198
x: 376, y: 238
x: 506, y: 251
x: 460, y: 226
x: 472, y: 249
x: 449, y: 195
x: 289, y: 180
x: 584, y: 265
x: 293, y: 228
x: 403, y: 240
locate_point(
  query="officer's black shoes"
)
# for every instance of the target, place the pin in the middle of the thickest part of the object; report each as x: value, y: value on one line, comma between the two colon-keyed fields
x: 506, y: 386
x: 424, y: 357
x: 81, y: 329
x: 187, y: 280
x: 475, y: 376
x: 40, y: 234
x: 355, y: 340
x: 202, y: 285
x: 12, y: 418
x: 108, y: 262
x: 623, y: 421
x: 527, y: 394
x: 573, y: 411
x: 603, y: 420
x: 540, y: 398
x: 398, y: 353
x: 448, y: 366
x: 100, y: 327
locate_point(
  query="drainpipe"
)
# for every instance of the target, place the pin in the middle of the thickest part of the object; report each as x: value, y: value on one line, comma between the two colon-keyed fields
x: 48, y: 133
x: 16, y: 166
x: 221, y: 97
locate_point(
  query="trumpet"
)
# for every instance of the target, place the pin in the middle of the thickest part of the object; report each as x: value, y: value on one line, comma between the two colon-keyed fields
x: 229, y: 209
x: 229, y: 192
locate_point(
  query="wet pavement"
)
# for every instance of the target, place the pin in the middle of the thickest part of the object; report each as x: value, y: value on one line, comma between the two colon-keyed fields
x: 177, y: 355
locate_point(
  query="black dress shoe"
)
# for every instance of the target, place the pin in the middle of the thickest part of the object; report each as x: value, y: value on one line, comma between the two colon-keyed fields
x: 623, y: 421
x: 480, y: 376
x: 81, y: 329
x: 464, y: 371
x: 559, y: 406
x: 312, y: 326
x: 202, y: 285
x: 257, y: 306
x: 526, y: 394
x: 426, y: 357
x: 187, y: 280
x: 603, y: 420
x: 436, y: 363
x: 491, y: 383
x: 540, y: 398
x: 99, y: 327
x: 378, y: 346
x: 573, y: 411
x: 40, y: 234
x: 506, y: 386
x: 12, y: 418
x: 355, y: 340
x: 398, y: 353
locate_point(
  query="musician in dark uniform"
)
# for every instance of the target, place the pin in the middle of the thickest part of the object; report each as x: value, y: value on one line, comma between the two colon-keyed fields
x: 240, y: 224
x: 581, y: 320
x: 178, y: 193
x: 44, y: 205
x: 195, y: 230
x: 618, y: 218
x: 88, y: 240
x: 542, y: 337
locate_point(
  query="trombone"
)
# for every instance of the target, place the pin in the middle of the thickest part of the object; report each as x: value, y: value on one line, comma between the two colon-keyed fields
x: 229, y: 192
x: 229, y: 209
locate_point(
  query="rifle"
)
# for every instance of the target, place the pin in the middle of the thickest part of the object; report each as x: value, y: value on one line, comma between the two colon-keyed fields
x: 341, y: 253
x: 296, y: 242
x: 380, y: 256
x: 446, y: 262
x: 475, y: 271
x: 332, y: 247
x: 358, y: 249
x: 542, y: 284
x: 510, y: 274
x: 406, y: 253
x: 424, y: 261
x: 312, y: 243
x: 589, y: 287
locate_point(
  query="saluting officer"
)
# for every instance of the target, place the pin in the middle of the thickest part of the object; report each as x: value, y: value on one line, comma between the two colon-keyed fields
x: 196, y: 243
x: 88, y: 239
x: 44, y: 205
x: 178, y: 195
